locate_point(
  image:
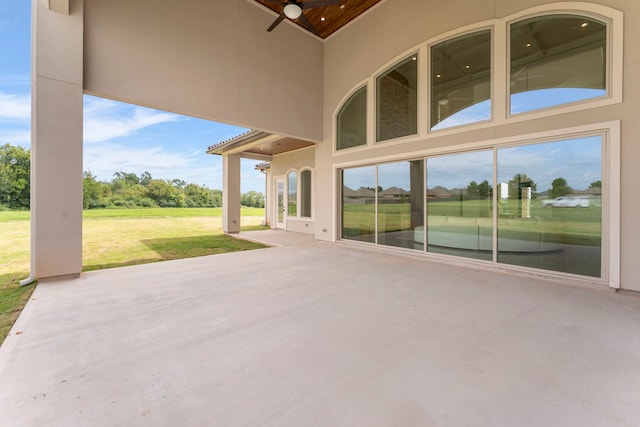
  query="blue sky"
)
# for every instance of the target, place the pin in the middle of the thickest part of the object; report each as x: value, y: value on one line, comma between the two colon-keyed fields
x: 117, y: 136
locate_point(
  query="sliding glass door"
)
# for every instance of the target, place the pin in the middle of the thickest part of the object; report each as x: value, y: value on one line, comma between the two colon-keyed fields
x: 535, y: 205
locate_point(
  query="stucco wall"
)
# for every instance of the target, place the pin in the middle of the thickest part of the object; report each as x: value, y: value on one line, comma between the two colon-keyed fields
x: 208, y: 59
x: 280, y: 166
x: 391, y: 29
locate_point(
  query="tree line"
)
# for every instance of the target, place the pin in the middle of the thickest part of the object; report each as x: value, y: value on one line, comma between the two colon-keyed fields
x: 125, y: 189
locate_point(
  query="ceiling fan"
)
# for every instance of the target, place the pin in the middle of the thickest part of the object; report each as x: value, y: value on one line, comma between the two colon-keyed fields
x: 292, y: 9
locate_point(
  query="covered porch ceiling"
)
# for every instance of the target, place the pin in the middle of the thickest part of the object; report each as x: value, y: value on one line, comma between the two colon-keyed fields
x: 258, y: 145
x: 325, y: 20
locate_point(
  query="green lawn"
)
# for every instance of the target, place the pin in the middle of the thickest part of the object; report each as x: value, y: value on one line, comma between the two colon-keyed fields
x: 116, y: 238
x: 577, y: 226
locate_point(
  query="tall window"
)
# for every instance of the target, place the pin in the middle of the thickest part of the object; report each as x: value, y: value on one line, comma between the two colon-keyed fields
x: 292, y: 186
x: 550, y: 205
x: 400, y: 203
x: 461, y: 80
x: 305, y: 193
x: 358, y: 204
x: 352, y: 121
x: 397, y: 100
x: 460, y: 204
x: 557, y: 59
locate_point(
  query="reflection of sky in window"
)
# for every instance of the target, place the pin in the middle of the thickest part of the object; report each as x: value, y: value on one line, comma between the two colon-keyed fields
x: 395, y: 175
x: 543, y: 98
x: 458, y: 170
x: 476, y: 113
x: 576, y: 160
x: 520, y: 103
x: 355, y: 178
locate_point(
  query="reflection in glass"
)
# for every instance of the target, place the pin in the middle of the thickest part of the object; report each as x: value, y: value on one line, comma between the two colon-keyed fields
x: 397, y: 100
x: 305, y: 194
x: 293, y: 194
x: 459, y: 205
x: 550, y: 206
x: 352, y: 121
x: 358, y: 204
x: 555, y: 60
x: 280, y: 202
x: 400, y: 204
x: 460, y: 79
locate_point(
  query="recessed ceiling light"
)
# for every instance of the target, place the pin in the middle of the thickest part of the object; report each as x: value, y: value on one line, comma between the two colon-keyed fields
x: 414, y: 58
x: 584, y: 24
x: 438, y: 75
x: 323, y: 19
x: 528, y: 44
x: 467, y: 66
x: 341, y: 6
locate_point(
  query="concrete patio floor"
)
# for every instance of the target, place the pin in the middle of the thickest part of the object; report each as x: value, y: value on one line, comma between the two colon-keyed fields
x: 317, y: 334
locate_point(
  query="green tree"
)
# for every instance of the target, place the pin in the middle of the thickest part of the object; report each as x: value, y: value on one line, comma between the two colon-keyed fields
x: 484, y: 189
x: 560, y: 187
x: 164, y: 194
x: 92, y: 192
x: 252, y: 199
x: 145, y: 178
x: 472, y: 191
x: 15, y: 173
x: 596, y: 184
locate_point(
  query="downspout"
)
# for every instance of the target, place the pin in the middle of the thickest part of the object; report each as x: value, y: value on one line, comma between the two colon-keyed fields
x: 29, y: 280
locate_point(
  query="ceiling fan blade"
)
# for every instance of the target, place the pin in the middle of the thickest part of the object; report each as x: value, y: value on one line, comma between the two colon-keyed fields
x: 278, y: 20
x: 274, y: 2
x: 307, y: 24
x: 317, y: 3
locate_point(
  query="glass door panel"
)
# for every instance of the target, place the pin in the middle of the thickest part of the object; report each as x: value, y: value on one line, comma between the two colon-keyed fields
x: 358, y: 204
x: 400, y: 204
x: 459, y: 205
x: 550, y: 205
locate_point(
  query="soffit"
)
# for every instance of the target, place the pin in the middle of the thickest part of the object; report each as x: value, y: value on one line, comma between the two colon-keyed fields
x: 335, y: 17
x: 262, y: 144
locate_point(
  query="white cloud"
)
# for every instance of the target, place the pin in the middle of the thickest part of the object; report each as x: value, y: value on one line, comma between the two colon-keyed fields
x: 15, y: 137
x: 15, y: 107
x: 105, y: 120
x: 198, y: 168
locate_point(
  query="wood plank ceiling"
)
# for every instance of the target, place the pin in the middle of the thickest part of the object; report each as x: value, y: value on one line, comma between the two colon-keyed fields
x: 328, y: 19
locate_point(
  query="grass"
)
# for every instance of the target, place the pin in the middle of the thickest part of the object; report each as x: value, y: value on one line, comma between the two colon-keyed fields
x: 117, y: 238
x: 576, y: 226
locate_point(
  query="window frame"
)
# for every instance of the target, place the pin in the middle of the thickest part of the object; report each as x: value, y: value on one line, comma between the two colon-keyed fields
x: 613, y: 91
x: 288, y: 188
x: 500, y: 76
x: 347, y: 99
x: 610, y: 234
x: 311, y: 191
x: 407, y: 58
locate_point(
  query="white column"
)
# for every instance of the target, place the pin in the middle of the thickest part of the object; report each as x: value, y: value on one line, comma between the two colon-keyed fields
x: 56, y: 140
x: 231, y: 193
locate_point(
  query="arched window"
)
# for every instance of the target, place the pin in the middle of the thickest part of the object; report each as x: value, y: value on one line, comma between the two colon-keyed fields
x: 397, y: 100
x: 305, y: 193
x: 557, y: 59
x: 352, y: 121
x: 292, y: 200
x: 461, y: 80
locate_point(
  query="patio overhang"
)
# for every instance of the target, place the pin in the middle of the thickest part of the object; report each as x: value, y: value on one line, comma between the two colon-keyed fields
x: 258, y: 145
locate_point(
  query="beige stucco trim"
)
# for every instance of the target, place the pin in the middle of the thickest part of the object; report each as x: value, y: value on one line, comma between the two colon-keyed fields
x: 61, y: 6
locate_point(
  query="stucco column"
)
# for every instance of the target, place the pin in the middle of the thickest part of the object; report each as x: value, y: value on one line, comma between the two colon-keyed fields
x: 56, y: 139
x: 231, y: 193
